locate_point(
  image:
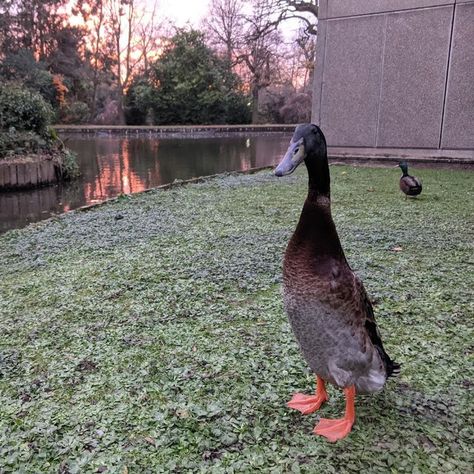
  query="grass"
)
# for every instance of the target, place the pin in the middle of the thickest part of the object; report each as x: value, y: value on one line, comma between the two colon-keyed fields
x: 148, y: 335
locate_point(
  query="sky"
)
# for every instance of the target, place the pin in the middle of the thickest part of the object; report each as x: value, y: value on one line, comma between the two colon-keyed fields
x: 183, y: 11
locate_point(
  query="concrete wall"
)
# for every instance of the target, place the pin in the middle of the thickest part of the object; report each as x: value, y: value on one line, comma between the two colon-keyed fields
x: 396, y: 74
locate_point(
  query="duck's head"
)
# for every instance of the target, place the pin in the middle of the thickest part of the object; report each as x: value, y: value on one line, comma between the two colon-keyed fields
x: 307, y: 144
x: 404, y: 166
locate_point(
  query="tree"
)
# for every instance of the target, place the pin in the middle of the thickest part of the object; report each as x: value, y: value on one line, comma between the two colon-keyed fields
x: 93, y: 14
x: 246, y: 31
x: 122, y: 36
x: 39, y: 49
x: 189, y: 84
x: 224, y: 25
x: 149, y: 40
x: 131, y: 32
x: 68, y: 61
x: 299, y: 60
x: 31, y: 25
x: 21, y: 68
x: 258, y: 50
x: 300, y: 9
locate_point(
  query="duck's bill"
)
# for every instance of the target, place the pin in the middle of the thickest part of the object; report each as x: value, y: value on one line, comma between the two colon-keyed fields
x: 293, y: 157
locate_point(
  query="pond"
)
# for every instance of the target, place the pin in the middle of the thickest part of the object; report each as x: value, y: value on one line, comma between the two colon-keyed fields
x: 111, y: 165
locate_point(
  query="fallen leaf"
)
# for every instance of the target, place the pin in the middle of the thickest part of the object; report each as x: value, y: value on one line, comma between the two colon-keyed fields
x: 150, y: 440
x: 182, y: 413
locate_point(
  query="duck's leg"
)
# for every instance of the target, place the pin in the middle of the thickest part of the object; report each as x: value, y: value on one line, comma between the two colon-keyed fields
x: 339, y: 428
x: 310, y: 403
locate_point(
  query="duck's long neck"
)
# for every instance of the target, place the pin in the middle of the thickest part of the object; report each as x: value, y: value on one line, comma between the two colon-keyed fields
x: 319, y: 182
x: 316, y: 233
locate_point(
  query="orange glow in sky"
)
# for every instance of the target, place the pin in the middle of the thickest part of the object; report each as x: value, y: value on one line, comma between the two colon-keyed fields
x: 179, y: 12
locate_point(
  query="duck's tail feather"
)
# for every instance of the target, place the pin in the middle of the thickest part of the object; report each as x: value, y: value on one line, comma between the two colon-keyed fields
x: 392, y: 368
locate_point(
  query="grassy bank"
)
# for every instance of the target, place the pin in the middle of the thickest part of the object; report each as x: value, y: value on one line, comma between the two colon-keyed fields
x: 148, y: 335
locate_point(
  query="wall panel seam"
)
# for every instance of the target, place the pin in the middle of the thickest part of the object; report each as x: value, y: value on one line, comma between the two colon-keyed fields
x: 448, y: 63
x: 381, y: 81
x: 323, y: 66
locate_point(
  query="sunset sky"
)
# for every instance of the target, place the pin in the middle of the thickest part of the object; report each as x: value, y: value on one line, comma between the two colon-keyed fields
x: 183, y: 11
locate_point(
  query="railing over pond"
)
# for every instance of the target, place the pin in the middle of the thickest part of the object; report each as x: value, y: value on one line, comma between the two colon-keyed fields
x: 173, y: 130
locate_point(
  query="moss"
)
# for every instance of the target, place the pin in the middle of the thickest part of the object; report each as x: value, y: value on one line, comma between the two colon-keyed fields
x: 148, y: 334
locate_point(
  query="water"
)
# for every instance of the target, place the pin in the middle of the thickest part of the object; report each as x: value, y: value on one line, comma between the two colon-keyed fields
x: 112, y: 165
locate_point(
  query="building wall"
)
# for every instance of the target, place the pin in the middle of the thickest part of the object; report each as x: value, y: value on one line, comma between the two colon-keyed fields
x: 396, y: 73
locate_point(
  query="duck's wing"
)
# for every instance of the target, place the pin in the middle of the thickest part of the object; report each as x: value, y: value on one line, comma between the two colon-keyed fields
x: 410, y: 184
x: 370, y: 326
x: 412, y: 181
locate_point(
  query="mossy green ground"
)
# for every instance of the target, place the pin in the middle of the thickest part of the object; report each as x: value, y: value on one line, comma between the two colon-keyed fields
x: 148, y: 335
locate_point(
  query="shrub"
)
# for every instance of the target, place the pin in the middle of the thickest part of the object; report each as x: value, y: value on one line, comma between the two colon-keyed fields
x: 237, y: 109
x: 21, y: 68
x: 138, y: 102
x: 69, y: 166
x: 284, y: 104
x: 76, y: 112
x: 23, y: 110
x: 188, y: 84
x: 13, y: 142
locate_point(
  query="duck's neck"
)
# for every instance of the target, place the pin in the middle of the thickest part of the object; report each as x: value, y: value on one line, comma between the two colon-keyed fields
x: 318, y: 178
x: 316, y: 232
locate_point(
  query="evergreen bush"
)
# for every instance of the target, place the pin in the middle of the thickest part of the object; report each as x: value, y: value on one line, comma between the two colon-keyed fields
x: 24, y: 110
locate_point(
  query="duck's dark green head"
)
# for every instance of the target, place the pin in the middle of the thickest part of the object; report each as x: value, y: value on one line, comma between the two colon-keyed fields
x: 404, y: 166
x: 307, y: 144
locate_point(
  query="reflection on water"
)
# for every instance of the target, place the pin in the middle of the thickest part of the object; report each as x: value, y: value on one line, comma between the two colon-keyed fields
x: 113, y: 165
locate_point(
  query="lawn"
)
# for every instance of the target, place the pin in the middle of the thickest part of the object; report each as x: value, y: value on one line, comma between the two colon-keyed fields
x: 148, y: 334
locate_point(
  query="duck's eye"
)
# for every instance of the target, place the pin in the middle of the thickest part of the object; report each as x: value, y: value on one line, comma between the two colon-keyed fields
x: 296, y: 151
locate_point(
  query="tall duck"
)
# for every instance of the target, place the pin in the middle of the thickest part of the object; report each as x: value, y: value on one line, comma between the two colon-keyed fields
x: 328, y: 308
x: 410, y: 185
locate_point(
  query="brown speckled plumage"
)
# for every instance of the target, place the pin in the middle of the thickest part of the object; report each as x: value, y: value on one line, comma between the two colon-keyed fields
x: 326, y: 303
x: 409, y: 185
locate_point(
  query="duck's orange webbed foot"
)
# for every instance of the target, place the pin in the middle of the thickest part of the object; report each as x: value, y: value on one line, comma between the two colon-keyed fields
x: 309, y: 403
x: 339, y: 428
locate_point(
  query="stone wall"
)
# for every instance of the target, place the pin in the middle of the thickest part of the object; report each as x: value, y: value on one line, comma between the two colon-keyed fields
x: 396, y: 74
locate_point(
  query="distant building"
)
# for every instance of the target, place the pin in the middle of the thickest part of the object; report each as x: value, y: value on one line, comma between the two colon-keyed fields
x: 393, y: 75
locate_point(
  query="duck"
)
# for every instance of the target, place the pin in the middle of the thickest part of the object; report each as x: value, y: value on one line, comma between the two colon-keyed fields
x: 410, y: 185
x: 327, y: 305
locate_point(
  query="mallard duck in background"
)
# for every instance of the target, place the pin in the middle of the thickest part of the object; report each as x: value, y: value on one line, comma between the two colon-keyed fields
x: 410, y: 185
x: 328, y: 308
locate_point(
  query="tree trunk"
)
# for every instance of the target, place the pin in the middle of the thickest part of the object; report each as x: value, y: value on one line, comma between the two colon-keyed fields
x: 118, y: 32
x: 120, y: 111
x: 255, y: 94
x: 95, y: 80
